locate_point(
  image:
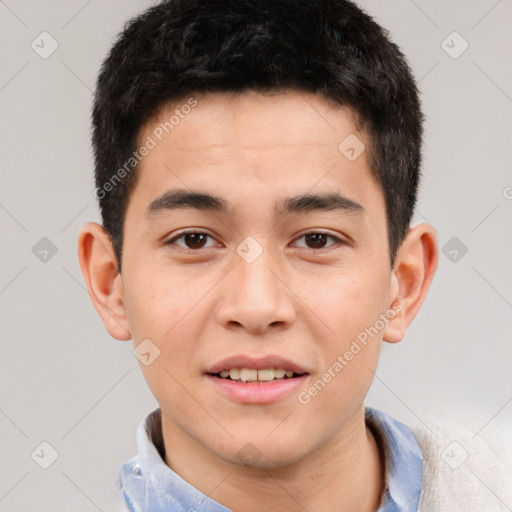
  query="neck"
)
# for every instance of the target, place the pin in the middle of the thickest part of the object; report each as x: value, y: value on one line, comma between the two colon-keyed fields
x: 345, y: 474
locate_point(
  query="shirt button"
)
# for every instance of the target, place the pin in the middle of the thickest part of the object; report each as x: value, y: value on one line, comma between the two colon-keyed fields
x: 136, y: 470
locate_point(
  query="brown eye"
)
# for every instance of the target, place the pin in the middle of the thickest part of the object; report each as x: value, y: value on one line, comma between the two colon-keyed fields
x: 316, y: 240
x: 195, y: 240
x: 192, y: 240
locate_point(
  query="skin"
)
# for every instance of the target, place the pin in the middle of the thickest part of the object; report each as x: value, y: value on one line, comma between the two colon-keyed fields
x: 298, y: 300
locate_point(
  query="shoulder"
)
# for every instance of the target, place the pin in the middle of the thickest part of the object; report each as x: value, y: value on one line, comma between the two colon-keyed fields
x: 461, y: 472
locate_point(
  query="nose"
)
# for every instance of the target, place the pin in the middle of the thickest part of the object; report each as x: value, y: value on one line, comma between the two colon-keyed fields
x: 254, y: 296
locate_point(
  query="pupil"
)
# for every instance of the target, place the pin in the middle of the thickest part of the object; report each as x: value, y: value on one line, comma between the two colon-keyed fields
x: 195, y: 240
x: 316, y: 240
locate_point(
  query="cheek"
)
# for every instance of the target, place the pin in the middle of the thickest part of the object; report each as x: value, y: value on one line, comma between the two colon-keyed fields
x: 167, y: 308
x: 161, y: 309
x: 351, y: 307
x: 350, y: 304
x: 157, y: 300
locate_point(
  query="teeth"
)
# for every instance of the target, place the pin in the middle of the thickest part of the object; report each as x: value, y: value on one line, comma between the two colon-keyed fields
x: 266, y: 374
x: 246, y: 374
x: 234, y: 373
x: 251, y: 375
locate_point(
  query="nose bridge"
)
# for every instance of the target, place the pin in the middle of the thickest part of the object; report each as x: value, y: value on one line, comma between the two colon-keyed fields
x: 255, y: 279
x: 253, y: 296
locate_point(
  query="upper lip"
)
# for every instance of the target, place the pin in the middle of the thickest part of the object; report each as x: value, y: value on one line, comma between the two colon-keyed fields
x: 256, y: 363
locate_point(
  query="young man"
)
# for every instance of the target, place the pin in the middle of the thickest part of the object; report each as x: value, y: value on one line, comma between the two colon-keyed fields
x: 257, y: 166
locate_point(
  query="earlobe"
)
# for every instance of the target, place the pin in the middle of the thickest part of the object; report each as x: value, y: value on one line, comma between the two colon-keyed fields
x: 414, y: 269
x: 102, y: 279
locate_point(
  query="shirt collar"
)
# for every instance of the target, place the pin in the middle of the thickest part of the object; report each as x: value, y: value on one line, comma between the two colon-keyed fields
x: 147, y: 483
x: 403, y: 462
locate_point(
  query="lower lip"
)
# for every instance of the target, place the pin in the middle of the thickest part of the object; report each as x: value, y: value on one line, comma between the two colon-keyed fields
x: 257, y: 392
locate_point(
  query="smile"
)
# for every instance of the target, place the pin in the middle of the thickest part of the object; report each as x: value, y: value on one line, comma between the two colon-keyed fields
x: 252, y: 375
x: 256, y: 378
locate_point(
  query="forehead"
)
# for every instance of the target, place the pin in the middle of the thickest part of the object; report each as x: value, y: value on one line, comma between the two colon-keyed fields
x: 242, y: 144
x: 254, y: 120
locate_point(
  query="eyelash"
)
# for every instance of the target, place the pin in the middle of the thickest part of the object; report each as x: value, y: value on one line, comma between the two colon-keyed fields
x: 336, y: 240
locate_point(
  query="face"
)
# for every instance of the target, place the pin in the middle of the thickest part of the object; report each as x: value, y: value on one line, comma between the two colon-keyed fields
x: 253, y: 242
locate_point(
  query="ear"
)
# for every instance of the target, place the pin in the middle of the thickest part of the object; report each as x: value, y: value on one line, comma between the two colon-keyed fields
x: 102, y: 279
x: 413, y: 271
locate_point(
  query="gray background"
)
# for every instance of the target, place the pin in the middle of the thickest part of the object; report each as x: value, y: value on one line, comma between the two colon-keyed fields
x: 64, y: 381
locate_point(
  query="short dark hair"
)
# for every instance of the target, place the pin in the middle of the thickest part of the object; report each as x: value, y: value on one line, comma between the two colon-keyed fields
x: 330, y: 47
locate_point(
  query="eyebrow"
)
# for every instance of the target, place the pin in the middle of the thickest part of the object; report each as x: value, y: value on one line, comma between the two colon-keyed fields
x: 177, y: 200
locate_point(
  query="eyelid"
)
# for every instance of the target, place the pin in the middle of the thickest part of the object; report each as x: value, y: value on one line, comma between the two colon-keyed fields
x: 338, y: 241
x: 177, y: 236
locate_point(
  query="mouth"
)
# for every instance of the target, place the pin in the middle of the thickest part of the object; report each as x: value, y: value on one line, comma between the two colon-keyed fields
x: 253, y: 375
x: 257, y: 380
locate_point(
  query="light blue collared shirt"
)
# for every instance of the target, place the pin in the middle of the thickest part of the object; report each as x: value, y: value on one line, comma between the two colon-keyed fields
x: 149, y: 485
